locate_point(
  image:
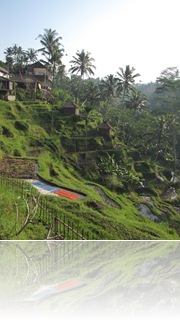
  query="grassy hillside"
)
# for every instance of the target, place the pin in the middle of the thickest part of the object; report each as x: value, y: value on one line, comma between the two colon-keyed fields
x: 56, y: 147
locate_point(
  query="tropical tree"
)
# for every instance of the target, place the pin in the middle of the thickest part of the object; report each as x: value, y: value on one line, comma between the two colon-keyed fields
x: 108, y: 94
x: 163, y: 131
x: 50, y: 42
x: 91, y: 93
x: 61, y: 80
x: 136, y: 101
x: 169, y: 86
x: 108, y: 85
x: 75, y: 87
x: 55, y: 60
x: 15, y: 57
x: 125, y: 80
x: 170, y: 73
x: 31, y: 55
x: 82, y: 63
x: 51, y: 49
x: 9, y: 58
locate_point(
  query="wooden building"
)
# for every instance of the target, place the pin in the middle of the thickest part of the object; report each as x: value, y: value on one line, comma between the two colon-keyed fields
x: 105, y: 129
x: 41, y: 73
x: 25, y: 81
x: 6, y: 85
x: 70, y: 108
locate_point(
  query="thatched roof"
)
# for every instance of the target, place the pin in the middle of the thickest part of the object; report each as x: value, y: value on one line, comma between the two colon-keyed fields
x: 70, y: 104
x: 5, y: 79
x: 37, y: 64
x: 24, y: 78
x: 4, y: 70
x: 105, y: 125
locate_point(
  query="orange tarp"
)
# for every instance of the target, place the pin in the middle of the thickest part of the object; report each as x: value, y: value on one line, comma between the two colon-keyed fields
x: 67, y: 194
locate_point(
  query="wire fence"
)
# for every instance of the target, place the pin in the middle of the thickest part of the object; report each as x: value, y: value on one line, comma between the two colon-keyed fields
x: 59, y: 226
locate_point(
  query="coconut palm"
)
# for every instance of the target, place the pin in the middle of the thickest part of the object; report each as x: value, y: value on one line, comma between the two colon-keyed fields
x: 108, y: 86
x: 125, y: 80
x: 19, y: 55
x: 136, y: 101
x: 9, y: 58
x: 55, y: 60
x: 50, y: 42
x: 31, y: 55
x: 91, y: 93
x: 52, y: 49
x: 16, y: 57
x: 82, y: 63
x: 108, y: 94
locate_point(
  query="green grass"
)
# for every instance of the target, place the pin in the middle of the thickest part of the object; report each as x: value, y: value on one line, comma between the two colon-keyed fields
x: 9, y: 200
x: 30, y: 135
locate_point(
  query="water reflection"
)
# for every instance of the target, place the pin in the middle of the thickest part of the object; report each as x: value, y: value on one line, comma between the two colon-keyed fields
x: 89, y: 279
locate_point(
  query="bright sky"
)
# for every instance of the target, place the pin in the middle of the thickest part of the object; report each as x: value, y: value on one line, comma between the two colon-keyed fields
x: 141, y: 33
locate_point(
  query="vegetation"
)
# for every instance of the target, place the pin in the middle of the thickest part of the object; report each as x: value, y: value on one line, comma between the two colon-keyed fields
x: 129, y: 177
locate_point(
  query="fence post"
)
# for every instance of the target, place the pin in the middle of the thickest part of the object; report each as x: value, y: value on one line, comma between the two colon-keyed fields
x: 72, y: 230
x: 55, y: 225
x: 64, y: 226
x: 60, y: 224
x: 77, y: 230
x: 68, y: 230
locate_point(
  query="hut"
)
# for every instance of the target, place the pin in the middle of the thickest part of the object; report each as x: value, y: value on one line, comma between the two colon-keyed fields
x: 105, y: 129
x: 70, y: 108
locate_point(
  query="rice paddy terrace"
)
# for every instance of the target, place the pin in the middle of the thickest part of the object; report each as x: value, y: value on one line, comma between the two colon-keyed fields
x: 49, y: 161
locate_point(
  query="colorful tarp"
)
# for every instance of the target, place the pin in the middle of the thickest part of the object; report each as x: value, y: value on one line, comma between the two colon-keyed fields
x: 67, y: 194
x: 45, y: 188
x: 50, y: 290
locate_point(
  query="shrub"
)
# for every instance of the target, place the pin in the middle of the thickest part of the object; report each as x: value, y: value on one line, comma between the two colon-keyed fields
x: 7, y: 132
x: 113, y: 183
x: 21, y: 125
x: 17, y: 153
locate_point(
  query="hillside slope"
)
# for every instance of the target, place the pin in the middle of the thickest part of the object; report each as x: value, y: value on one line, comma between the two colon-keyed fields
x: 37, y: 141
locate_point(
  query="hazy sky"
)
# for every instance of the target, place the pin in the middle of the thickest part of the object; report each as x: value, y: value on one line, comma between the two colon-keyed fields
x: 141, y: 33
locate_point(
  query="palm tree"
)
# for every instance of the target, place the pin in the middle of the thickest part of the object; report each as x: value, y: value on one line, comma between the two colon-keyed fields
x: 19, y: 55
x: 31, y: 55
x: 125, y: 81
x: 108, y: 93
x: 15, y: 57
x: 108, y: 85
x: 82, y: 63
x: 51, y: 49
x: 169, y: 83
x: 91, y: 93
x: 55, y: 60
x: 9, y: 58
x: 50, y: 42
x: 136, y: 101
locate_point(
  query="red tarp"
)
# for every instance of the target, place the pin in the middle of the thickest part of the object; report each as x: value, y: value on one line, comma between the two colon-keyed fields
x: 67, y: 194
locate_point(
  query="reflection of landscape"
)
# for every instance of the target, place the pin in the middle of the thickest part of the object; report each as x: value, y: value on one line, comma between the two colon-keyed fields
x: 90, y: 279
